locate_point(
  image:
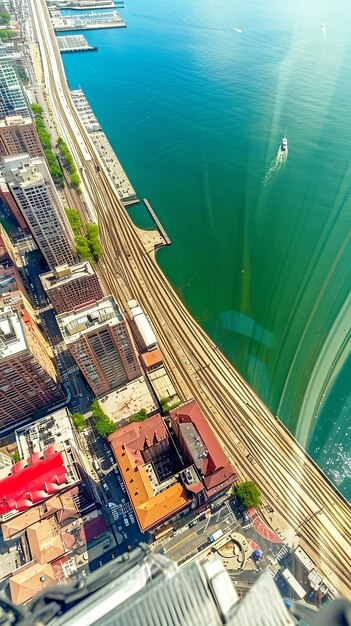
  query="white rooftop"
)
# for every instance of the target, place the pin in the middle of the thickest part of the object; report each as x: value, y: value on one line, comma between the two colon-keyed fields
x: 15, y: 120
x: 86, y: 318
x: 65, y: 273
x: 53, y: 429
x: 12, y: 338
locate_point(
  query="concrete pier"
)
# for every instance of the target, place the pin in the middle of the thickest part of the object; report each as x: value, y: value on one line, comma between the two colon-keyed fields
x: 74, y: 43
x: 157, y: 222
x: 89, y: 21
x: 103, y: 147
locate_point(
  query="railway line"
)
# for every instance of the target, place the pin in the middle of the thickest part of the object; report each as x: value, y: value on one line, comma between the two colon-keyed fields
x: 287, y: 477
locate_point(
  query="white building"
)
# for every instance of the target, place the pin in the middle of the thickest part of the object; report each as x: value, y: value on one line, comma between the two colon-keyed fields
x: 37, y: 199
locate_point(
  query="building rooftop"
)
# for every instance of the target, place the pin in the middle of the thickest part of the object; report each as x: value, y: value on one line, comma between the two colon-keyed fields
x: 203, y: 446
x: 64, y: 274
x: 26, y: 583
x: 44, y: 541
x: 30, y: 482
x: 87, y: 317
x: 154, y: 357
x: 15, y: 120
x: 152, y: 501
x: 53, y: 429
x: 12, y: 338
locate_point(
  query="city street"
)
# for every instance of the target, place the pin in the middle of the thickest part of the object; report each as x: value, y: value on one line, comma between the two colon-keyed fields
x: 117, y: 507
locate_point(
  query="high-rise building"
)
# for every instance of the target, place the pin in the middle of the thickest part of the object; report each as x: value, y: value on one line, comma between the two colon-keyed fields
x: 69, y: 286
x: 28, y: 377
x: 6, y: 197
x: 37, y: 199
x: 18, y: 135
x: 97, y: 336
x: 12, y: 98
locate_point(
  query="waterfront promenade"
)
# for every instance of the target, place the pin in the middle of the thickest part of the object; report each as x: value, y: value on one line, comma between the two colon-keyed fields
x: 258, y: 445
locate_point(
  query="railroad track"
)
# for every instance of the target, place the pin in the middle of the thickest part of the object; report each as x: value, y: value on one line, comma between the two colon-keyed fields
x: 286, y: 476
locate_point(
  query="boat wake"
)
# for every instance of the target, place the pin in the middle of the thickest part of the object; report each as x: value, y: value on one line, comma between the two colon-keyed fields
x: 277, y: 163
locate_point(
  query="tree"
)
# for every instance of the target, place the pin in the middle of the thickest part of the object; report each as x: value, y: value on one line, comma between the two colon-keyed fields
x: 75, y: 180
x: 140, y: 416
x: 104, y: 426
x: 79, y: 421
x: 74, y: 220
x: 83, y: 249
x: 93, y: 240
x: 248, y: 493
x: 16, y: 456
x: 36, y: 108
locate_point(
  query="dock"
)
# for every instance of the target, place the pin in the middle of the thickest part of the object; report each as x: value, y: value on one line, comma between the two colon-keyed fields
x: 103, y: 147
x: 88, y: 21
x: 157, y: 222
x: 81, y: 5
x: 74, y: 43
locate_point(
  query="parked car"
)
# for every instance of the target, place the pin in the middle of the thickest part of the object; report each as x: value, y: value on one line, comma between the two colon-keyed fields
x: 193, y: 523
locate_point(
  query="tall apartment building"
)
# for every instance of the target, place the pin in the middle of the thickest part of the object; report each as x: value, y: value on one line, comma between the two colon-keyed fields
x: 98, y: 339
x: 70, y: 286
x: 28, y: 377
x: 34, y: 193
x: 6, y: 197
x: 18, y: 135
x: 12, y: 98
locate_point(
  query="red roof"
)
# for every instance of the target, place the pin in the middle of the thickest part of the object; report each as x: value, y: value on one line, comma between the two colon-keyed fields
x: 216, y: 468
x: 31, y: 484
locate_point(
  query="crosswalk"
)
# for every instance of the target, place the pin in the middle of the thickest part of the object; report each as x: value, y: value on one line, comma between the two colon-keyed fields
x: 283, y: 553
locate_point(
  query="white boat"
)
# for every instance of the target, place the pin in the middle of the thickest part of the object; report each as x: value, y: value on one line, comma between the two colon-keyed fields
x: 283, y: 148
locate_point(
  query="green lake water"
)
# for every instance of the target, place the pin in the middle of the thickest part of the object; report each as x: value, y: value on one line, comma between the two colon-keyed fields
x: 260, y: 253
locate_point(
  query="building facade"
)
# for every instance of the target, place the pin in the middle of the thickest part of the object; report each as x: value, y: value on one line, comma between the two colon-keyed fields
x: 35, y: 195
x: 97, y: 336
x: 71, y: 286
x: 12, y: 98
x: 18, y: 135
x: 28, y: 377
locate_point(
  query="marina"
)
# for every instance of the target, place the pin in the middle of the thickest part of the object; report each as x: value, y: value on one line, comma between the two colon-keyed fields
x: 81, y: 5
x: 103, y: 147
x: 74, y: 43
x: 157, y: 222
x: 89, y: 21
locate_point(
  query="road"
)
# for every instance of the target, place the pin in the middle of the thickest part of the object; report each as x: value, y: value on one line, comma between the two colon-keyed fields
x: 286, y: 476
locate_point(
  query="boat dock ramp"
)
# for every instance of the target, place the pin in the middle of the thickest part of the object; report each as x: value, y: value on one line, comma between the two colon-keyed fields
x: 157, y: 222
x: 103, y: 147
x: 74, y: 43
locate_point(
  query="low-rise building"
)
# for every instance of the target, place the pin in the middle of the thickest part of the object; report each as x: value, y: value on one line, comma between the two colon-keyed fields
x: 170, y: 465
x: 69, y: 286
x: 201, y: 447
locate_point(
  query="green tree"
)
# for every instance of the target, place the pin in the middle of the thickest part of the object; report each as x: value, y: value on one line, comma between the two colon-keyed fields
x: 93, y: 240
x: 83, y: 248
x: 104, y: 426
x: 75, y: 180
x: 4, y: 17
x: 78, y: 420
x: 16, y: 456
x: 140, y: 416
x: 248, y: 493
x: 74, y: 220
x: 36, y: 108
